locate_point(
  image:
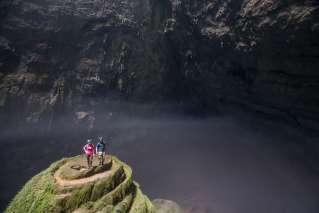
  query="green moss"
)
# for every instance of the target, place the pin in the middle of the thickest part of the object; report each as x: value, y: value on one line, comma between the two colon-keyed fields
x: 149, y: 205
x: 141, y: 201
x: 79, y: 162
x: 79, y: 197
x: 120, y: 191
x: 37, y: 194
x: 106, y: 185
x: 115, y: 193
x: 87, y: 194
x: 138, y: 205
x: 124, y: 205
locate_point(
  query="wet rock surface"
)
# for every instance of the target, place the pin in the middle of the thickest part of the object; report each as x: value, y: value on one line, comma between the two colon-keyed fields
x: 55, y: 56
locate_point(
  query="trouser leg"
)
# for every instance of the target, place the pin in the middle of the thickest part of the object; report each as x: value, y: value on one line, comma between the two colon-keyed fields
x: 91, y: 160
x: 102, y: 159
x: 88, y: 160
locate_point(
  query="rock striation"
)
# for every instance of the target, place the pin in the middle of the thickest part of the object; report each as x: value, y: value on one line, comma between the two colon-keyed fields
x: 260, y: 54
x: 68, y: 186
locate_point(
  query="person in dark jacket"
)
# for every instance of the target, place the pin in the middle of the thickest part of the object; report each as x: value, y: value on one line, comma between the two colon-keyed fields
x: 100, y: 150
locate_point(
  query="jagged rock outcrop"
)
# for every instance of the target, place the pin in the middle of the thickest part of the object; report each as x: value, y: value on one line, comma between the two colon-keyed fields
x: 259, y: 54
x: 67, y: 186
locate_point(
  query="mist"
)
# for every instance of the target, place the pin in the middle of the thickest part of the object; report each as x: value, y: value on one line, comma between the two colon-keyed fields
x: 234, y: 163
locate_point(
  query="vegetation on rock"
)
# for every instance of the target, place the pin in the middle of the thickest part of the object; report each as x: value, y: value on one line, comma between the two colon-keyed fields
x: 63, y: 187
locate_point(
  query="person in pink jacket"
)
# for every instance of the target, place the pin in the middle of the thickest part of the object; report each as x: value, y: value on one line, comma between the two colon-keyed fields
x: 89, y: 152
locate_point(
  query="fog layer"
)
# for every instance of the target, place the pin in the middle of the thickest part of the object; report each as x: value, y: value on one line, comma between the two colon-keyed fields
x: 216, y: 164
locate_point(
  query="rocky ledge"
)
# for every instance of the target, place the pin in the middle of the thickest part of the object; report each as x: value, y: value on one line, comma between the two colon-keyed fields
x: 68, y: 186
x: 57, y: 54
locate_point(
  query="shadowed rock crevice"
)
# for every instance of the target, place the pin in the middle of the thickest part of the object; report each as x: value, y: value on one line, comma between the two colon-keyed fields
x: 261, y: 55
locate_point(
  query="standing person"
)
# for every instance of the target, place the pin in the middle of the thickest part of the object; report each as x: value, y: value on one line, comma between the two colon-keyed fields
x: 100, y: 150
x: 89, y: 152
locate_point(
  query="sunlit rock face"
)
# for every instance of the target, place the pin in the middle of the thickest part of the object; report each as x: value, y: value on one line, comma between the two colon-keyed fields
x: 263, y: 55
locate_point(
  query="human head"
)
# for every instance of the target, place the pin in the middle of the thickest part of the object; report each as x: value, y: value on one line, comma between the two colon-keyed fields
x: 89, y: 140
x: 100, y: 139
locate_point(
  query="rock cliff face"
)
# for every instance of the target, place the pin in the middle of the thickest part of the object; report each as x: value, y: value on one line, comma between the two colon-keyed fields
x: 264, y: 55
x: 67, y: 186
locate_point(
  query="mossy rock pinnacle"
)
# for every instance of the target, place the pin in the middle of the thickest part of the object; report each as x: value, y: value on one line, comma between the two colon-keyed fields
x: 67, y: 186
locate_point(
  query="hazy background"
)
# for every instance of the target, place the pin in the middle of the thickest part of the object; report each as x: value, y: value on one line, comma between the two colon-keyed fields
x: 62, y: 61
x: 206, y: 163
